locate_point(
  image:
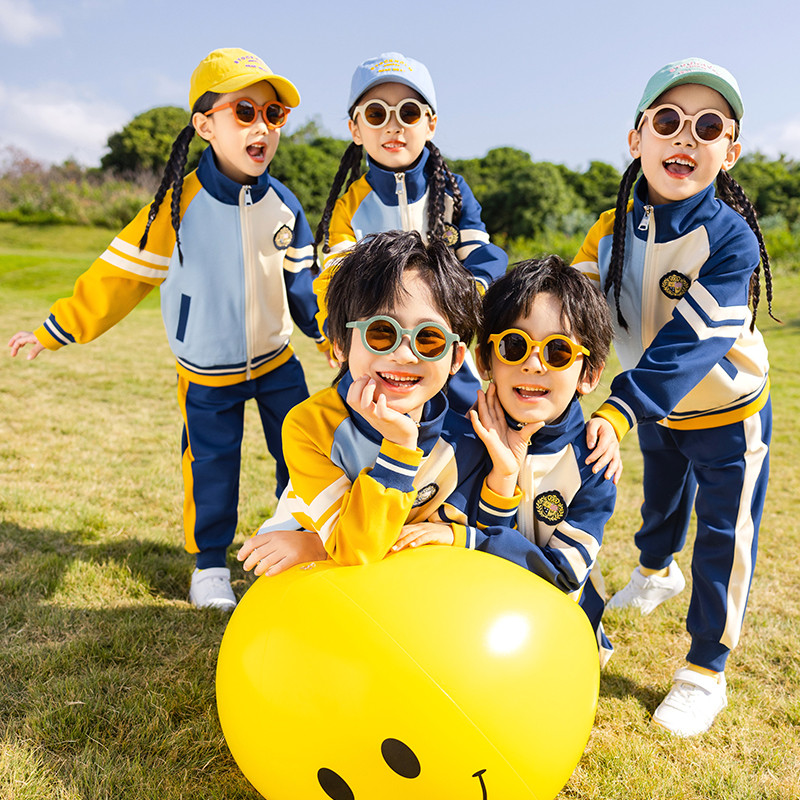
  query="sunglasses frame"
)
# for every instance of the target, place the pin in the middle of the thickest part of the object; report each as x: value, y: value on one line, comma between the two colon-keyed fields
x: 362, y: 325
x: 649, y: 113
x: 262, y: 110
x: 575, y: 348
x: 424, y: 109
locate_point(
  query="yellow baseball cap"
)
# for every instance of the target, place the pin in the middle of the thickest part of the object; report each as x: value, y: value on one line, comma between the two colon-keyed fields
x: 230, y: 69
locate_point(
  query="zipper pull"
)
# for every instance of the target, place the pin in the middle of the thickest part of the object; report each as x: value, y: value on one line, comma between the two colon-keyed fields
x: 400, y: 182
x: 248, y: 199
x: 645, y: 223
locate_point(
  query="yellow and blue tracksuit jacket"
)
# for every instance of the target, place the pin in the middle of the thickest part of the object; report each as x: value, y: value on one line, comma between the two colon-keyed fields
x: 382, y: 200
x: 562, y: 515
x: 689, y: 359
x: 228, y: 309
x: 357, y: 490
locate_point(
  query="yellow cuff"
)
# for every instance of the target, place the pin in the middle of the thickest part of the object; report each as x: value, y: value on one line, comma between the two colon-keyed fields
x: 618, y: 420
x: 46, y: 340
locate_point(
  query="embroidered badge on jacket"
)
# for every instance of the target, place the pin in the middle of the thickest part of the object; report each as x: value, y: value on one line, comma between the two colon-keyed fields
x: 283, y: 237
x: 674, y: 284
x: 450, y: 235
x: 549, y: 507
x: 425, y: 494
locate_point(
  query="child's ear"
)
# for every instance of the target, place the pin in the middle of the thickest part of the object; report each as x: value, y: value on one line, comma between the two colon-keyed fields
x: 590, y: 379
x: 635, y: 143
x: 484, y: 368
x: 338, y: 353
x: 459, y: 355
x: 354, y: 132
x: 732, y: 156
x: 431, y: 127
x: 202, y: 124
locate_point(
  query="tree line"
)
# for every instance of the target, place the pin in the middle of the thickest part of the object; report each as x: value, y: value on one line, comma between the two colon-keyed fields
x: 528, y: 206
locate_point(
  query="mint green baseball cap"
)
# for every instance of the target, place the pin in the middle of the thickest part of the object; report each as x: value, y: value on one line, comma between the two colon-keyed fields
x: 692, y: 70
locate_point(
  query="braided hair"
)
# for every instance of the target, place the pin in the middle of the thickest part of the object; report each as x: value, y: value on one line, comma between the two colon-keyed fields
x: 441, y: 178
x: 731, y: 193
x: 173, y: 174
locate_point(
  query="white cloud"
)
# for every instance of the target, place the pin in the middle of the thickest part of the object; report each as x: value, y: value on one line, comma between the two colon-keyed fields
x: 782, y: 138
x: 53, y: 123
x: 20, y: 24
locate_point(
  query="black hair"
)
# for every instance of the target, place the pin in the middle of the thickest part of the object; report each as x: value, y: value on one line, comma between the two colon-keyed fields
x: 368, y: 281
x: 584, y: 310
x: 440, y: 179
x: 731, y: 193
x: 173, y: 173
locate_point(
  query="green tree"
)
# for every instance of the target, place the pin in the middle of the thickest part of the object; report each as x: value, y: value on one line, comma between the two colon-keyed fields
x: 597, y: 186
x: 772, y: 186
x: 145, y: 143
x: 306, y: 161
x: 519, y: 197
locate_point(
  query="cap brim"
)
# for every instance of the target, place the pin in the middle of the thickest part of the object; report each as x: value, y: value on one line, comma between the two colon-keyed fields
x: 285, y: 89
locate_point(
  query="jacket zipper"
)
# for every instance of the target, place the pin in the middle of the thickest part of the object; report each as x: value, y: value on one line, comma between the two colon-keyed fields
x: 402, y: 199
x: 648, y: 223
x: 249, y: 293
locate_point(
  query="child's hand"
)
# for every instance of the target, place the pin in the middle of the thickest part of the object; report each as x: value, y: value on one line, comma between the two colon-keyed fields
x: 506, y: 446
x: 19, y: 340
x: 419, y: 533
x: 274, y: 552
x: 392, y: 425
x: 602, y: 440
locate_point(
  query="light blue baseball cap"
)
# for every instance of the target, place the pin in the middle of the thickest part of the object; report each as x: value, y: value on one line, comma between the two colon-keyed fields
x: 692, y: 70
x: 392, y: 68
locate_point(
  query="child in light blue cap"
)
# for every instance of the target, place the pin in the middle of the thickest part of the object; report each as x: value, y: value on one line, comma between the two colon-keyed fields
x: 408, y: 186
x: 680, y: 265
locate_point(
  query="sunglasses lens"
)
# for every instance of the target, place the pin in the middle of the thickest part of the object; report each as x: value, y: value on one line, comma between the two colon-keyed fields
x: 666, y: 121
x: 276, y: 116
x: 375, y: 115
x: 557, y: 353
x: 410, y: 113
x: 381, y: 336
x: 710, y: 127
x: 245, y: 112
x: 430, y: 342
x: 513, y: 348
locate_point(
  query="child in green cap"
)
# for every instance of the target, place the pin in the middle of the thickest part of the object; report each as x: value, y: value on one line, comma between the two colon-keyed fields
x: 680, y: 263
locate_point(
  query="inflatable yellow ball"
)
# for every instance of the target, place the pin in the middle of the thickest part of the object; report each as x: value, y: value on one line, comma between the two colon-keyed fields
x: 436, y: 674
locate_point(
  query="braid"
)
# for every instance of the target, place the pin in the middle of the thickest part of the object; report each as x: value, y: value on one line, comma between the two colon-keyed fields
x: 172, y: 179
x: 732, y: 193
x: 614, y: 277
x: 350, y: 167
x: 441, y: 179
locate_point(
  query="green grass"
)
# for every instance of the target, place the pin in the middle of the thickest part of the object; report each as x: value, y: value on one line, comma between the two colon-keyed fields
x: 107, y: 673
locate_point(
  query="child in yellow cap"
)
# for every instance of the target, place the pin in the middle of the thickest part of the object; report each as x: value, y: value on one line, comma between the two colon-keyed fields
x: 231, y: 251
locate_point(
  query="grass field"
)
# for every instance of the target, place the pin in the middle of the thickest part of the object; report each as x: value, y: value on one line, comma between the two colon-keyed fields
x: 107, y: 673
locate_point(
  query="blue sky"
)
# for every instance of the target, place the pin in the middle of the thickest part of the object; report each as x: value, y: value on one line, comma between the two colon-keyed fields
x: 560, y: 80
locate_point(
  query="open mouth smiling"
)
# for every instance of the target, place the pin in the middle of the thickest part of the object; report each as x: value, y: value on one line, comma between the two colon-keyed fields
x: 680, y: 165
x: 530, y: 392
x: 401, y: 381
x: 256, y: 151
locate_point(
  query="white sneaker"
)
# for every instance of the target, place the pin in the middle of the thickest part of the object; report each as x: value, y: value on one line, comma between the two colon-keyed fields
x: 692, y: 704
x: 211, y: 588
x: 647, y: 592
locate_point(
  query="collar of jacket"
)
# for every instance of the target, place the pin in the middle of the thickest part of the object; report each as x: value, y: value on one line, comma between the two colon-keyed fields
x: 384, y: 183
x: 430, y: 426
x: 674, y: 220
x: 221, y: 187
x: 557, y: 435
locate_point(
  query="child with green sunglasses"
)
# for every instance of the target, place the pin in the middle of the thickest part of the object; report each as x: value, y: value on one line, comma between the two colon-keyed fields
x: 378, y: 461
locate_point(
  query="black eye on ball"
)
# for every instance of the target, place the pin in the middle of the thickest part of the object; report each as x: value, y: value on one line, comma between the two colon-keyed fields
x: 400, y: 757
x: 334, y: 785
